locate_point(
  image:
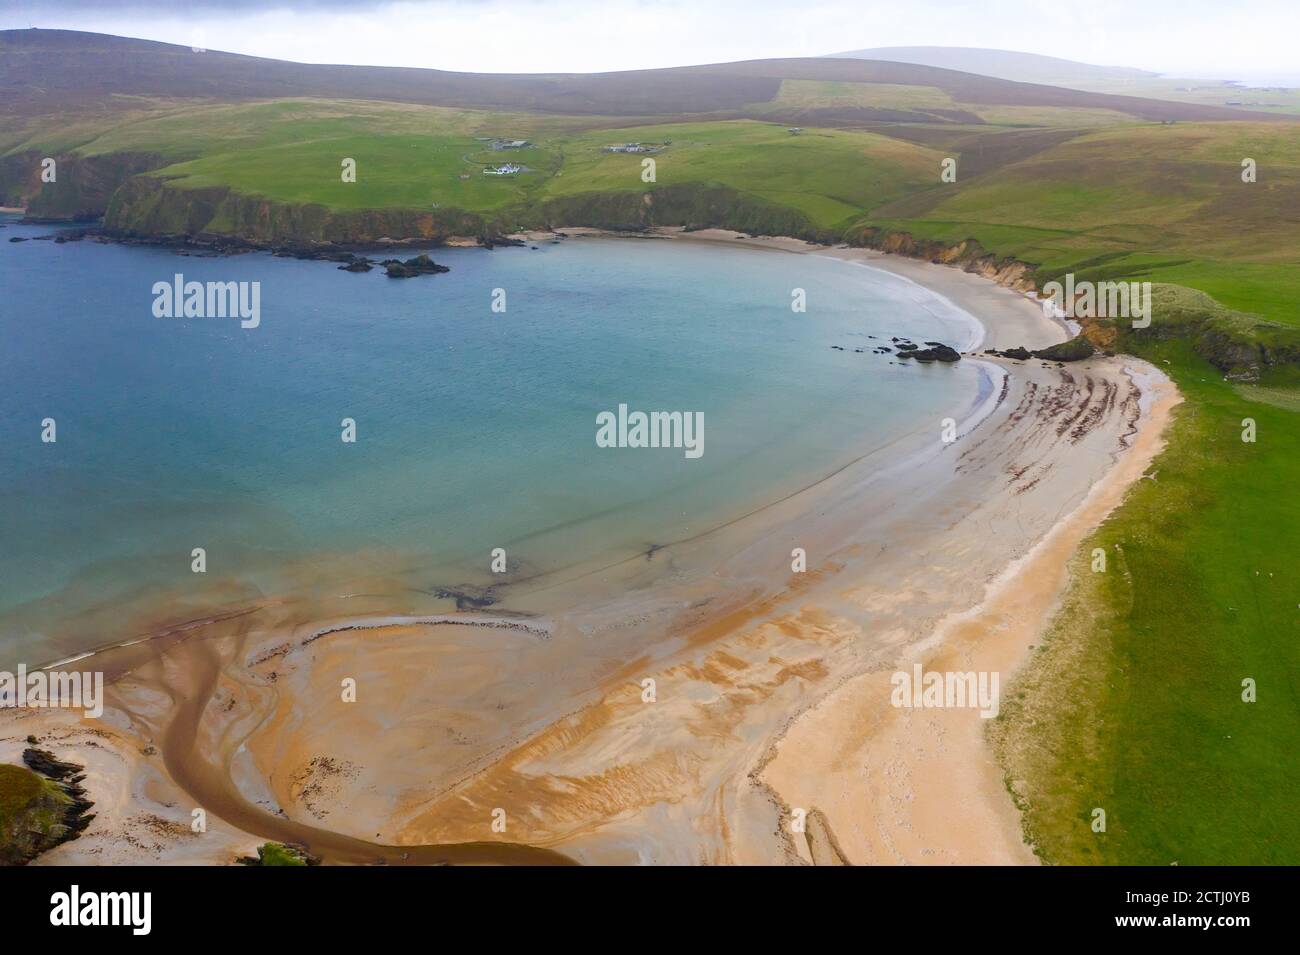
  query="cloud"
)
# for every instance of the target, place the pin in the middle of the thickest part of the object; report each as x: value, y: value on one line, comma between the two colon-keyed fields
x: 127, y: 8
x: 1182, y: 37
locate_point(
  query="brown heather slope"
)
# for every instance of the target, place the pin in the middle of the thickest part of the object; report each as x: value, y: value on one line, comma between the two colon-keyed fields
x: 43, y: 71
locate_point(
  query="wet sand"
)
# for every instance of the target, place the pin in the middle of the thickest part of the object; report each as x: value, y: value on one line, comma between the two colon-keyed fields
x: 770, y: 686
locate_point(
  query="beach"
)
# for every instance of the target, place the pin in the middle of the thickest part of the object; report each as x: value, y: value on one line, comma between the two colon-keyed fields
x: 637, y: 713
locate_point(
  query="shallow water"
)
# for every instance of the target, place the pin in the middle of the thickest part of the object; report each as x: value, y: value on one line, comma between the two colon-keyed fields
x: 475, y: 430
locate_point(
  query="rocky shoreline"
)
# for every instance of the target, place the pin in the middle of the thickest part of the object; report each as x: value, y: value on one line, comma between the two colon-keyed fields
x: 46, y: 806
x: 1240, y: 347
x: 219, y: 244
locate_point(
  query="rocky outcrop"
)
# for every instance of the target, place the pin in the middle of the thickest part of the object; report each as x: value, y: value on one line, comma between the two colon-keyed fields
x: 1076, y: 349
x: 419, y: 265
x: 42, y: 806
x: 934, y: 351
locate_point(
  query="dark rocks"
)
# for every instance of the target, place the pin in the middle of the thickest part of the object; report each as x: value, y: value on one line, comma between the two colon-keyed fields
x: 420, y: 265
x: 45, y: 806
x: 490, y: 242
x: 43, y: 762
x: 17, y: 238
x: 1076, y: 349
x: 1018, y: 353
x: 937, y: 352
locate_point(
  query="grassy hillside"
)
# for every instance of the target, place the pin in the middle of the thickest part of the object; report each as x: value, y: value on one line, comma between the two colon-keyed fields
x: 828, y: 175
x: 1164, y: 203
x: 421, y: 158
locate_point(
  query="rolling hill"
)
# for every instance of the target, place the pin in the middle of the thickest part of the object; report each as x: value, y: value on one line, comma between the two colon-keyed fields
x: 1053, y: 71
x: 47, y: 70
x: 1006, y: 65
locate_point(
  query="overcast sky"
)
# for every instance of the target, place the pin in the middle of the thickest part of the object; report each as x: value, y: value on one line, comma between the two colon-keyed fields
x: 1207, y: 38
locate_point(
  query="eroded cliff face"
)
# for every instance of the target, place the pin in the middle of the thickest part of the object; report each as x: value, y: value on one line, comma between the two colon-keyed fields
x: 967, y: 254
x: 153, y: 207
x: 82, y: 188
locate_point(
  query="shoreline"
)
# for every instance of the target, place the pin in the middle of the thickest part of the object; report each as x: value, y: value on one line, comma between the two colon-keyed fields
x: 927, y: 750
x: 799, y: 612
x: 1021, y: 319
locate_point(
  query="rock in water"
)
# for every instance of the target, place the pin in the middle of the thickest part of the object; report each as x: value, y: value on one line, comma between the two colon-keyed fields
x: 420, y: 265
x: 938, y: 352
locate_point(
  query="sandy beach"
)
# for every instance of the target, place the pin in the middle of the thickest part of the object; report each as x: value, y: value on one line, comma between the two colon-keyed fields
x: 648, y: 712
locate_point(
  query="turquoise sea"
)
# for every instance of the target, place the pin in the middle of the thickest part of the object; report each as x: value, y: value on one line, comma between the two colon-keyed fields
x: 475, y: 429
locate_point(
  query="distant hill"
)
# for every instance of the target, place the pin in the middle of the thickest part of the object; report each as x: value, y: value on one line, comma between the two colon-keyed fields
x: 1054, y: 71
x: 1006, y: 65
x: 47, y: 71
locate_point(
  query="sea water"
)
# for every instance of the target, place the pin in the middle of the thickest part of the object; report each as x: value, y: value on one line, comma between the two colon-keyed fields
x: 475, y: 428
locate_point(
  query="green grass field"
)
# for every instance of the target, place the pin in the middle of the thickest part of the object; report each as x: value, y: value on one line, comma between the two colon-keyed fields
x: 828, y: 175
x: 411, y: 157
